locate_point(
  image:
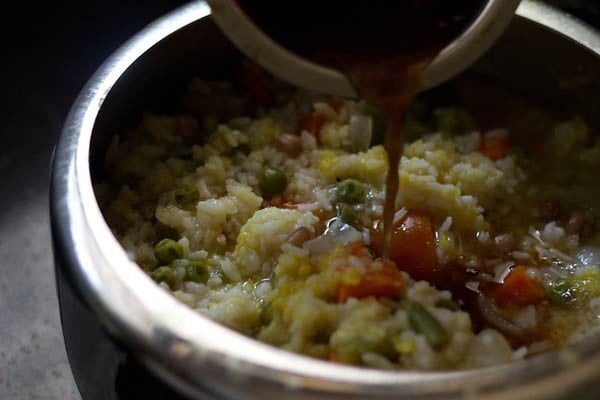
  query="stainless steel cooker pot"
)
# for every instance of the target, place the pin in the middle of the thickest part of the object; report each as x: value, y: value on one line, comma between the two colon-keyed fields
x: 128, y: 338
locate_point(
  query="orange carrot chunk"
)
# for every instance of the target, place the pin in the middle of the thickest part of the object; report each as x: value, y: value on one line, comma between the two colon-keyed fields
x: 494, y: 147
x: 412, y: 246
x: 519, y: 289
x: 313, y: 123
x: 322, y: 214
x: 384, y: 282
x: 358, y: 249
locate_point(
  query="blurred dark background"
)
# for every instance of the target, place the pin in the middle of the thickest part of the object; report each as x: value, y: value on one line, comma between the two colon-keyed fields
x: 49, y: 50
x: 53, y: 48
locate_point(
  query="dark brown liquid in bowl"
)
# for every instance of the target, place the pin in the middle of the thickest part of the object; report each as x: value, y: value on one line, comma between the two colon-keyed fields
x: 382, y: 47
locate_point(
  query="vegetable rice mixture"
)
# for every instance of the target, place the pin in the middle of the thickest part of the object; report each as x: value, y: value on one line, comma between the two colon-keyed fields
x: 261, y: 209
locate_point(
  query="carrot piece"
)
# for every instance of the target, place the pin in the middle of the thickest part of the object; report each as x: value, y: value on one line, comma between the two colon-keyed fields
x: 358, y: 249
x: 281, y: 202
x: 519, y: 289
x: 290, y: 205
x: 494, y: 147
x: 322, y: 214
x: 276, y: 201
x: 313, y: 123
x: 384, y: 282
x: 323, y: 217
x: 412, y: 246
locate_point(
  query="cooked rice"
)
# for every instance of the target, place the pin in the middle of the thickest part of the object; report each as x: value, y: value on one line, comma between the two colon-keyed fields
x: 285, y: 294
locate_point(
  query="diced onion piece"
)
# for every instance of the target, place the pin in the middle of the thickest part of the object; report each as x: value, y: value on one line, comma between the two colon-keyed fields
x: 502, y: 270
x: 399, y: 215
x: 336, y: 232
x: 320, y: 245
x: 342, y: 232
x: 492, y: 316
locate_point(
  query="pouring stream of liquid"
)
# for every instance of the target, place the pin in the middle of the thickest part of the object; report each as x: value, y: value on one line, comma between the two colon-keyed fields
x: 383, y: 48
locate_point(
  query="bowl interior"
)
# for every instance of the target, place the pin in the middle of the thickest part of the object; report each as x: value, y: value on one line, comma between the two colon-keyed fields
x: 531, y: 68
x: 548, y: 72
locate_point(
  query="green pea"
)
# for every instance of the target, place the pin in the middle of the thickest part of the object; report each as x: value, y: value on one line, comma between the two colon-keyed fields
x: 164, y: 274
x: 423, y: 322
x: 347, y: 213
x: 186, y: 195
x: 197, y: 271
x: 272, y: 181
x: 350, y: 191
x: 167, y: 250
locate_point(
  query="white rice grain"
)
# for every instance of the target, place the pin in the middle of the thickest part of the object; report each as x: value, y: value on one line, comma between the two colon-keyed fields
x: 297, y: 251
x: 446, y: 225
x: 400, y: 214
x: 230, y: 271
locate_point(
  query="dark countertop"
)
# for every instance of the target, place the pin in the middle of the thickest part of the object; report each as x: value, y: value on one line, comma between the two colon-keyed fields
x: 49, y: 53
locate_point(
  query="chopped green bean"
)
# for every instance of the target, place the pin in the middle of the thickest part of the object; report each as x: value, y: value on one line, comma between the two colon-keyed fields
x: 167, y: 250
x: 196, y: 271
x: 423, y: 322
x: 272, y: 181
x: 186, y: 195
x: 164, y: 274
x: 350, y: 191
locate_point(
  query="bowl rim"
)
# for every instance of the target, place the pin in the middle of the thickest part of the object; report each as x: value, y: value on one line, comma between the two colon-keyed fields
x: 173, y: 340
